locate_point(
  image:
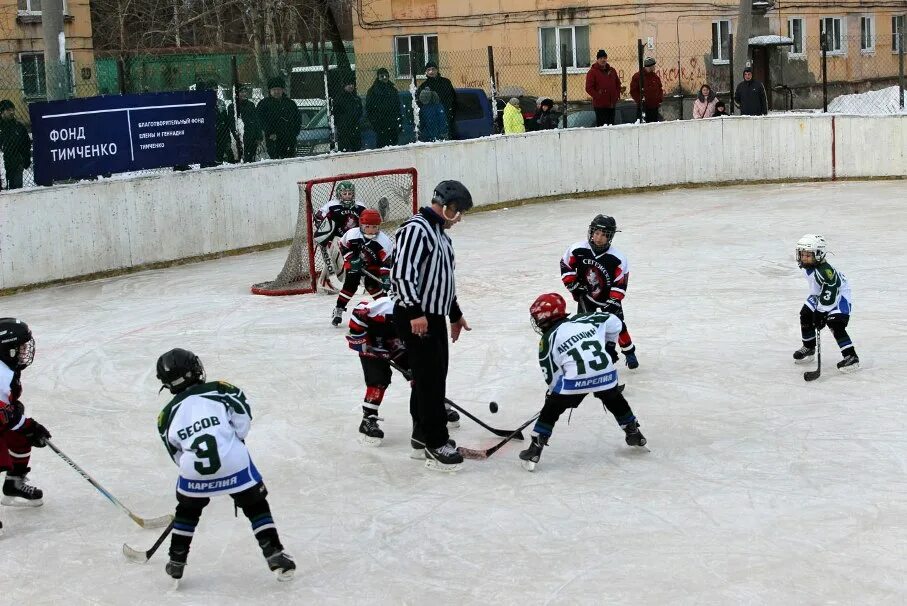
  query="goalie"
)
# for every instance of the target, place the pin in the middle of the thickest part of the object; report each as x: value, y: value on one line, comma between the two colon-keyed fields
x: 332, y: 221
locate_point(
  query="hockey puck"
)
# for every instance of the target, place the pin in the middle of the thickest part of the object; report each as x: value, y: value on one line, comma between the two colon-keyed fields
x: 493, y: 407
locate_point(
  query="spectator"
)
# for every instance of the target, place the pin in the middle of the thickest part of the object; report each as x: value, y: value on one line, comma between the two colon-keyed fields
x: 654, y: 94
x: 382, y: 103
x: 280, y: 120
x: 432, y: 119
x: 603, y: 85
x: 513, y: 118
x: 704, y: 105
x: 720, y: 110
x: 347, y: 116
x: 750, y: 95
x: 225, y: 133
x: 250, y: 133
x: 15, y: 145
x: 544, y: 116
x: 446, y: 94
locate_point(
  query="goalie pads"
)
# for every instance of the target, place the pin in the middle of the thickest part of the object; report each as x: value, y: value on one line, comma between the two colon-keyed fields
x: 324, y: 231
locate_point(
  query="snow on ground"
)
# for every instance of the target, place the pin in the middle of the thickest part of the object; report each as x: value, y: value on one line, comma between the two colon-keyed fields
x: 872, y: 103
x: 760, y: 488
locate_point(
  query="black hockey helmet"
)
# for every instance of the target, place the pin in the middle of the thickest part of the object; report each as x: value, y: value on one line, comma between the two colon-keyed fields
x: 179, y: 369
x: 453, y: 193
x: 606, y: 224
x: 17, y: 346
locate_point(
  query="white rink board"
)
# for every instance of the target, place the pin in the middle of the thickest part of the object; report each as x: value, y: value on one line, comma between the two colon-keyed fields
x: 759, y: 488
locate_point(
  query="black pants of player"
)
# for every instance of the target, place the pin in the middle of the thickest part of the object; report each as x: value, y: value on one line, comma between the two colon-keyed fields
x: 254, y: 504
x: 604, y: 116
x: 428, y: 359
x: 837, y: 324
x: 556, y: 404
x: 377, y: 374
x: 351, y: 285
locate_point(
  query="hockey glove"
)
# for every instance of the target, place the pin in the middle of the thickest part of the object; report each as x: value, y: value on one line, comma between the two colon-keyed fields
x: 36, y: 434
x: 355, y: 264
x: 359, y: 344
x: 578, y: 291
x: 613, y: 306
x: 386, y: 283
x: 820, y: 319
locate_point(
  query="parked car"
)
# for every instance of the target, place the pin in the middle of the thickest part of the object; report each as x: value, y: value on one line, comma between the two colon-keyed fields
x: 474, y: 120
x: 585, y: 118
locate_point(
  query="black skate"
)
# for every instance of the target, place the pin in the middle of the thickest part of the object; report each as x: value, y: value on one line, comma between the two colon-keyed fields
x: 453, y: 418
x: 850, y: 363
x: 337, y: 316
x: 634, y: 436
x: 444, y: 458
x: 175, y: 569
x: 804, y: 354
x: 282, y: 564
x: 17, y: 492
x: 370, y: 433
x: 530, y: 456
x: 418, y: 448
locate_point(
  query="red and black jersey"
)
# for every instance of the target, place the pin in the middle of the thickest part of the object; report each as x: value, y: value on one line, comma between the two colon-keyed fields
x: 372, y: 330
x: 604, y: 275
x: 375, y: 253
x: 11, y: 417
x: 342, y: 219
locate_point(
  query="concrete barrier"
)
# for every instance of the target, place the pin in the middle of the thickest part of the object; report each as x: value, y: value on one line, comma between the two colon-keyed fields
x: 51, y: 234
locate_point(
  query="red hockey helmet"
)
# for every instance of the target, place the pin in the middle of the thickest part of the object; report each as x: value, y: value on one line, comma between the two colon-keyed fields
x: 546, y: 310
x: 370, y: 216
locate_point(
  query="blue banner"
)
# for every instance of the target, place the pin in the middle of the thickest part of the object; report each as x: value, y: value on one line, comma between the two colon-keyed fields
x: 80, y: 138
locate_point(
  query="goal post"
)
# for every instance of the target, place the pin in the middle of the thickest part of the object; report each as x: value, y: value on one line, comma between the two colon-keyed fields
x: 311, y: 267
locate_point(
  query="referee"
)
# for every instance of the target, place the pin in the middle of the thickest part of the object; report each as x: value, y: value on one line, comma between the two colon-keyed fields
x: 422, y: 282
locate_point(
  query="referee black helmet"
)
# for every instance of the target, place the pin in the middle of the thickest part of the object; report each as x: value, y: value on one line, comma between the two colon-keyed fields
x: 454, y: 193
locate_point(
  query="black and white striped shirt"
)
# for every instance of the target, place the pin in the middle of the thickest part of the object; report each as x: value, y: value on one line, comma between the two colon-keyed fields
x: 422, y: 274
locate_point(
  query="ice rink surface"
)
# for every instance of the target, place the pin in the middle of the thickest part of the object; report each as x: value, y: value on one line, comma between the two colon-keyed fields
x: 759, y: 488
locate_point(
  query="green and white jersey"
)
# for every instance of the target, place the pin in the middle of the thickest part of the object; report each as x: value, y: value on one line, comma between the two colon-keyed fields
x: 829, y: 290
x: 203, y: 429
x: 573, y: 356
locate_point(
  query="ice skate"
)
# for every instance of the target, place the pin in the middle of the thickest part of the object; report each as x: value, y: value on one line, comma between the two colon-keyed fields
x: 282, y: 564
x: 418, y: 448
x: 530, y: 456
x: 453, y: 418
x: 17, y: 492
x: 634, y: 436
x: 849, y: 364
x: 445, y: 458
x: 369, y: 432
x: 337, y: 316
x: 804, y: 355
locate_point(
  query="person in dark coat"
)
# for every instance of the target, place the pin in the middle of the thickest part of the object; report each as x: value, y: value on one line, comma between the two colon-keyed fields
x: 654, y: 93
x: 603, y: 85
x: 720, y: 109
x: 750, y: 96
x: 250, y: 132
x: 280, y: 120
x: 544, y: 118
x: 347, y: 116
x: 15, y: 145
x: 446, y: 94
x: 382, y: 103
x: 225, y: 132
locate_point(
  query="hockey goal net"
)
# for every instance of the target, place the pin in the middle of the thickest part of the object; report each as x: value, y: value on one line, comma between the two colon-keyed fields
x: 310, y: 266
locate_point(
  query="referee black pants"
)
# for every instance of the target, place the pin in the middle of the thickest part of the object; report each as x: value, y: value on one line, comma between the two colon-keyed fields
x: 428, y: 356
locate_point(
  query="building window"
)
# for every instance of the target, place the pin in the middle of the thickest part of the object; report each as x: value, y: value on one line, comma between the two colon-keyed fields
x: 33, y: 7
x: 867, y: 34
x: 414, y: 51
x: 833, y: 29
x: 795, y: 32
x: 34, y: 81
x: 575, y: 37
x: 897, y: 28
x: 721, y: 35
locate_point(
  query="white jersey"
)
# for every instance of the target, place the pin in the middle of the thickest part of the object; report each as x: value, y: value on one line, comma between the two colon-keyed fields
x: 829, y: 290
x: 380, y: 248
x: 203, y: 429
x: 573, y: 355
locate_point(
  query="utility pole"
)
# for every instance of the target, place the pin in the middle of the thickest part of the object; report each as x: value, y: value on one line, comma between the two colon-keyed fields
x: 56, y: 67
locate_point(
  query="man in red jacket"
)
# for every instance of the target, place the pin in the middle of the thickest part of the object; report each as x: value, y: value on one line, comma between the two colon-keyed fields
x: 603, y: 85
x: 652, y: 86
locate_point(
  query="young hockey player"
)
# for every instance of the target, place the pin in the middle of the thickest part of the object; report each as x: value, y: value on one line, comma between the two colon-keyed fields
x: 18, y: 433
x: 597, y: 274
x: 333, y: 220
x: 374, y: 335
x: 576, y: 355
x: 829, y: 303
x: 364, y: 248
x: 204, y: 428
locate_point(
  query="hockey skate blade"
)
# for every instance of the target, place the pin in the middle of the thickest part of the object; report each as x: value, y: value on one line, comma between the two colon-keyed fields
x: 453, y: 425
x: 135, y: 556
x: 438, y: 466
x: 528, y: 465
x: 20, y: 502
x: 849, y: 369
x: 370, y: 441
x: 285, y: 576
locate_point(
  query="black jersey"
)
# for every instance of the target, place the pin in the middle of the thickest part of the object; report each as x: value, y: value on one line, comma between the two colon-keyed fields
x: 604, y: 275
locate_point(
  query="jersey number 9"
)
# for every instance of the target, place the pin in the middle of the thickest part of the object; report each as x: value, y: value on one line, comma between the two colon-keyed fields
x: 205, y: 447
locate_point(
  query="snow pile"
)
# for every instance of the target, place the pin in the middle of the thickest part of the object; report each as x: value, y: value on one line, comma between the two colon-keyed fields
x: 872, y: 103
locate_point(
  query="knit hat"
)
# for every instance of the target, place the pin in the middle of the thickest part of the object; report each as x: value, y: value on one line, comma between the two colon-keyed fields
x: 383, y: 72
x: 514, y: 101
x: 601, y: 53
x: 649, y: 62
x: 431, y: 64
x: 748, y: 68
x: 276, y: 82
x: 6, y: 104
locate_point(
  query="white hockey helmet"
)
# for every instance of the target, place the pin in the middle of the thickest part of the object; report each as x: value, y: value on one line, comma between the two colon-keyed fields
x: 813, y: 243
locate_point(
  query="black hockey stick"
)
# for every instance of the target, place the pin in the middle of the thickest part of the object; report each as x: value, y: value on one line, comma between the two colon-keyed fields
x: 812, y: 375
x: 517, y: 434
x: 140, y: 557
x: 471, y: 453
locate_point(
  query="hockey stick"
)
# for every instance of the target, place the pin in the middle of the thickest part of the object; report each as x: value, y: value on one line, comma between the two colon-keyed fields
x: 143, y: 522
x: 516, y: 434
x: 471, y: 453
x: 812, y: 375
x: 140, y: 557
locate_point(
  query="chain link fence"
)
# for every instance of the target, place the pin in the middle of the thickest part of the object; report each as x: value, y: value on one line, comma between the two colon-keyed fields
x: 297, y: 104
